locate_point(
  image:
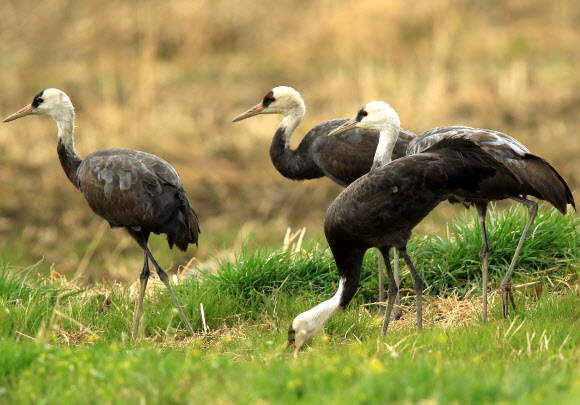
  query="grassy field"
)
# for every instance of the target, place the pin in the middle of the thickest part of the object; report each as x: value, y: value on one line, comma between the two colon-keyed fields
x: 533, y: 359
x: 66, y: 344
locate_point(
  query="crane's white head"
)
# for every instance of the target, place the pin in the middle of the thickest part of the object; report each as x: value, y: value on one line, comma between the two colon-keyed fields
x: 280, y: 100
x: 310, y: 323
x: 376, y: 115
x: 51, y: 102
x: 304, y: 327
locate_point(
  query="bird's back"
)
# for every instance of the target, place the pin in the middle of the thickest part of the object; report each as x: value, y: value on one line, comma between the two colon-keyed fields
x: 536, y: 176
x: 136, y: 189
x: 384, y: 206
x: 348, y: 156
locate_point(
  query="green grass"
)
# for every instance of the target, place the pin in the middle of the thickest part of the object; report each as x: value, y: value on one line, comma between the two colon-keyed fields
x: 533, y: 359
x: 449, y: 264
x: 63, y: 344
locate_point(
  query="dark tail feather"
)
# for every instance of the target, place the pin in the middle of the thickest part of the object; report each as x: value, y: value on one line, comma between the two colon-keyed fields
x: 184, y: 226
x: 545, y: 183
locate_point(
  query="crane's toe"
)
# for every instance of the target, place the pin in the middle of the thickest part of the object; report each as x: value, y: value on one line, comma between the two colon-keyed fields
x: 507, y: 296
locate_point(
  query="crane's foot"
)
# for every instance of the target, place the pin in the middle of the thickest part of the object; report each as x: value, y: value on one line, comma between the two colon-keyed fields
x: 507, y: 290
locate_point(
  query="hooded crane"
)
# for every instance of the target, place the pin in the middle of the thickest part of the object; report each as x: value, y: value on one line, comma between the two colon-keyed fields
x: 130, y: 189
x: 343, y: 159
x: 536, y: 177
x: 381, y: 209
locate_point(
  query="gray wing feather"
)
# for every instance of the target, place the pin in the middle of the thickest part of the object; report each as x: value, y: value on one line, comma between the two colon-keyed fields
x: 121, y: 184
x: 501, y: 146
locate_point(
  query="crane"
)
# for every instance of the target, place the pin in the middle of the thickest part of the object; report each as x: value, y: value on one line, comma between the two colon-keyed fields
x: 343, y: 159
x: 133, y: 190
x: 381, y: 208
x: 536, y: 176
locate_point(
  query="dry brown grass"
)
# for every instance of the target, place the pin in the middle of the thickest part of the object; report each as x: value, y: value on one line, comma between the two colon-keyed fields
x: 441, y: 312
x: 167, y: 77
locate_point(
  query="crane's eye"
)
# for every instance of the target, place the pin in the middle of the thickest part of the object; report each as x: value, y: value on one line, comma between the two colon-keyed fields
x: 268, y: 99
x: 39, y: 100
x: 362, y: 113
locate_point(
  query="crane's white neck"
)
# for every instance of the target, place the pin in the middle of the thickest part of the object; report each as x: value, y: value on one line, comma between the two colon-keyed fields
x: 65, y: 120
x: 311, y: 322
x: 387, y: 139
x: 290, y: 122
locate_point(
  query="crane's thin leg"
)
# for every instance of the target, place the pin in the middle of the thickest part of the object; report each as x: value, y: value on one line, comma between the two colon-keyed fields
x: 507, y: 286
x: 381, y: 261
x: 397, y: 311
x: 143, y: 278
x: 142, y: 237
x: 418, y: 284
x: 165, y: 279
x: 392, y: 292
x: 483, y: 255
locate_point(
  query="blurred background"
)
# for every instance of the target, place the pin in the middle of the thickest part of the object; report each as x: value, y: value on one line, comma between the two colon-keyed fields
x: 167, y: 77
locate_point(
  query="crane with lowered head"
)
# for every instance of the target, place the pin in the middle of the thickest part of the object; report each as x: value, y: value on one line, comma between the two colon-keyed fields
x: 381, y: 208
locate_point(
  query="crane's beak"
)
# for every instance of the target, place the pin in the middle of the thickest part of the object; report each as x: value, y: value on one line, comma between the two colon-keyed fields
x: 258, y: 109
x: 22, y: 113
x: 296, y: 348
x: 350, y: 124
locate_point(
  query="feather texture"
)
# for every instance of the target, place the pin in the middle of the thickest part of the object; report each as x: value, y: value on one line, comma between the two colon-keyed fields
x: 536, y: 176
x: 135, y: 189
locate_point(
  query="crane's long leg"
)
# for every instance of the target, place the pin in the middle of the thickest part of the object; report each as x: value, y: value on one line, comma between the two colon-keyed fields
x: 165, y: 279
x: 392, y: 292
x: 418, y: 284
x: 381, y: 263
x: 507, y: 286
x: 483, y: 255
x: 143, y: 278
x: 397, y: 311
x: 142, y: 237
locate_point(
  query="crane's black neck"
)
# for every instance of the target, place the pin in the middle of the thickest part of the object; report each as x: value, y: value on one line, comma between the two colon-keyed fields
x: 294, y: 164
x: 70, y: 162
x: 66, y: 148
x: 348, y: 258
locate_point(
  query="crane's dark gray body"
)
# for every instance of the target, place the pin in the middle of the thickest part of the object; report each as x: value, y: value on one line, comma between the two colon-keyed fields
x: 343, y: 158
x: 134, y: 190
x: 537, y: 177
x: 381, y: 208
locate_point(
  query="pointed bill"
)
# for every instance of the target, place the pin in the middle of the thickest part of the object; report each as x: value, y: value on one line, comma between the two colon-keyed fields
x: 296, y: 349
x: 258, y: 109
x: 22, y: 113
x: 350, y: 124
